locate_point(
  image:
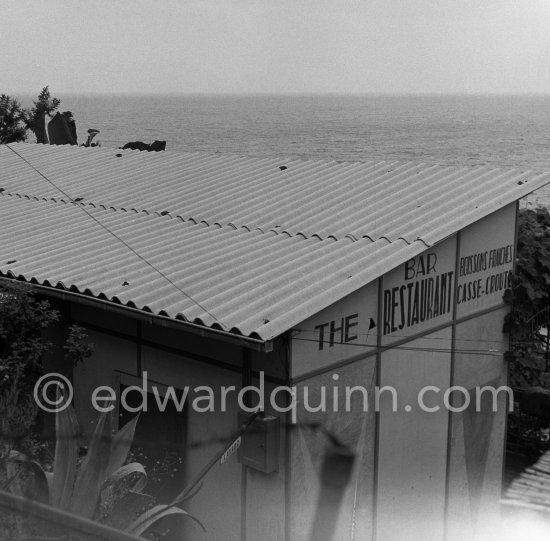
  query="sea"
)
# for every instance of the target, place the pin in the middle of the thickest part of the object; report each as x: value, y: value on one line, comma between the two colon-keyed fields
x: 508, y: 131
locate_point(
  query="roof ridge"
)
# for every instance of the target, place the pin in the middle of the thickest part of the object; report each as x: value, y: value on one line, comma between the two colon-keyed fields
x: 312, y: 198
x: 283, y: 159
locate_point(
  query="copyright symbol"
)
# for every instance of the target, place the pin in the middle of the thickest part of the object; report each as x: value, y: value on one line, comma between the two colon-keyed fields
x: 58, y: 386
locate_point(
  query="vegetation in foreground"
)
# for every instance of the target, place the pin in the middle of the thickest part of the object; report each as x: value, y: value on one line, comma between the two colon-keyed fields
x: 528, y: 324
x: 16, y: 121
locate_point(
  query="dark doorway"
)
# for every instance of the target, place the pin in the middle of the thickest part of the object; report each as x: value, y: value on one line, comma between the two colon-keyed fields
x: 159, y: 442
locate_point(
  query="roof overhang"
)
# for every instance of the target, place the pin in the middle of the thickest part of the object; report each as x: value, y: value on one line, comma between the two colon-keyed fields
x: 154, y: 319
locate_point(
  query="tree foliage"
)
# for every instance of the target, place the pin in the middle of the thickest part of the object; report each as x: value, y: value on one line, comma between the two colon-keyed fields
x: 530, y: 299
x: 45, y: 104
x: 22, y: 351
x: 16, y: 120
x: 13, y: 120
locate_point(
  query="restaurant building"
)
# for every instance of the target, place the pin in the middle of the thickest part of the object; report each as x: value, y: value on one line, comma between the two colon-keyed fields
x: 370, y: 288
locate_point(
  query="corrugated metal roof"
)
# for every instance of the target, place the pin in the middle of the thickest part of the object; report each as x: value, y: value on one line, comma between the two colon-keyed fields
x: 532, y: 486
x: 251, y: 282
x: 258, y: 244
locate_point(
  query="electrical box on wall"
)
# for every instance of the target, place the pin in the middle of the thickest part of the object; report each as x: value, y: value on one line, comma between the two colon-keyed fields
x: 260, y: 443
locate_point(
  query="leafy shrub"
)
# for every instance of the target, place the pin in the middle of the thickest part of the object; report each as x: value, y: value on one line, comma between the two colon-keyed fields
x: 101, y: 486
x: 530, y: 299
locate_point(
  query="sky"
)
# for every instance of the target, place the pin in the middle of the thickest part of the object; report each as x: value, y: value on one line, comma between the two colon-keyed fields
x: 275, y: 46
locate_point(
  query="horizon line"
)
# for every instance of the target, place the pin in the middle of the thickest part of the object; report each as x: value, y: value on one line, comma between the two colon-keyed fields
x: 282, y: 94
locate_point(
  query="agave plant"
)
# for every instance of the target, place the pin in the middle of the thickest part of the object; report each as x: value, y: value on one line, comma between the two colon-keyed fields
x: 102, y: 487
